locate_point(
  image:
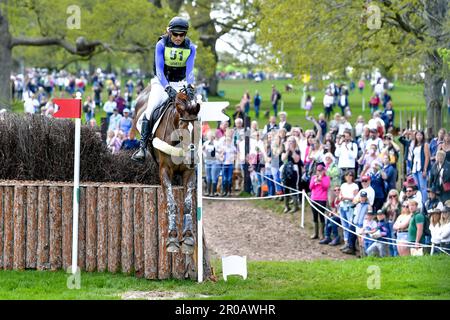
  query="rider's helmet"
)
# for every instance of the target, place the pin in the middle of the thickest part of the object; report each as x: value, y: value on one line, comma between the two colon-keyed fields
x: 178, y: 24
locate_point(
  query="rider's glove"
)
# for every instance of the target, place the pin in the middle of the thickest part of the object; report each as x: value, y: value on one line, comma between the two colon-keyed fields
x: 171, y: 92
x: 190, y: 92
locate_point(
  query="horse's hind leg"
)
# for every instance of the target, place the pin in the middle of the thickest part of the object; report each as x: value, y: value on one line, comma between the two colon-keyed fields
x: 188, y: 235
x: 173, y: 244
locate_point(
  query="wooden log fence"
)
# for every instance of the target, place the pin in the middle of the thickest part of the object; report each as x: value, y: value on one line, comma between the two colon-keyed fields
x: 122, y: 228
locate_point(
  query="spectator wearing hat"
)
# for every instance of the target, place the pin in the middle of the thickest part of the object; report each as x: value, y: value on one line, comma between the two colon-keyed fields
x: 126, y: 122
x: 365, y: 183
x: 445, y: 227
x: 377, y: 183
x: 374, y: 139
x: 360, y: 212
x: 435, y: 229
x: 401, y: 228
x: 114, y: 120
x: 416, y: 225
x: 369, y: 227
x: 411, y: 192
x: 381, y: 234
x: 431, y: 202
x: 349, y: 189
x: 319, y: 185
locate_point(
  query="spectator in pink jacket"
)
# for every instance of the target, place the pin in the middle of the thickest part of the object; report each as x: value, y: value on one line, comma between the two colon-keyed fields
x: 319, y: 185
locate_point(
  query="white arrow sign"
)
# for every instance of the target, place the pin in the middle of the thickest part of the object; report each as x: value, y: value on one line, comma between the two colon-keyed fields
x: 213, y: 111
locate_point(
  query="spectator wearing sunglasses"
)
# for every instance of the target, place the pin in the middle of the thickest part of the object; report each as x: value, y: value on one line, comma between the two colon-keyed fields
x: 401, y: 229
x: 392, y: 208
x: 411, y: 192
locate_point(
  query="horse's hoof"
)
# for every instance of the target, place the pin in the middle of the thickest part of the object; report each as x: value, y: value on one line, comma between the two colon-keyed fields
x: 187, y: 246
x: 187, y: 249
x: 173, y: 246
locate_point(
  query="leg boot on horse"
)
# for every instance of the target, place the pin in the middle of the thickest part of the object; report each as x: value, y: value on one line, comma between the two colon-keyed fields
x: 188, y: 241
x: 139, y: 155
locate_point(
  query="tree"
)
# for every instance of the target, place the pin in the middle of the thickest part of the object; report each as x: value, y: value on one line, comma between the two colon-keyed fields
x: 327, y: 35
x: 234, y: 15
x: 37, y: 31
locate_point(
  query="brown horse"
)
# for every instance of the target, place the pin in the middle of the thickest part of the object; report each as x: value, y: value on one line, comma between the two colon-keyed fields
x: 173, y: 129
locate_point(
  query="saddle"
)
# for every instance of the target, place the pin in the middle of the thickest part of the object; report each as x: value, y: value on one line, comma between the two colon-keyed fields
x: 154, y: 121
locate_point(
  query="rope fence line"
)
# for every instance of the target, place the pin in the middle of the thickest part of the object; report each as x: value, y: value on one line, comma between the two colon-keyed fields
x: 408, y: 244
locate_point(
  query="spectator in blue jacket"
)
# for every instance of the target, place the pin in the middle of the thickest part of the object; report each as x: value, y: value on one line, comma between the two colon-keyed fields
x: 381, y: 234
x: 389, y: 174
x: 377, y: 183
x: 126, y: 122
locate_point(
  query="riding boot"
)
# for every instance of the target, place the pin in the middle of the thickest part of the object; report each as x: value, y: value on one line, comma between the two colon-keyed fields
x: 296, y: 208
x: 207, y: 193
x: 322, y: 230
x: 145, y: 134
x: 316, y: 231
x: 286, y: 205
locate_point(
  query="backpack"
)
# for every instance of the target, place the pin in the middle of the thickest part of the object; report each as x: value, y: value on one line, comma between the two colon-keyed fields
x: 278, y: 95
x: 288, y: 171
x: 426, y: 225
x: 86, y: 108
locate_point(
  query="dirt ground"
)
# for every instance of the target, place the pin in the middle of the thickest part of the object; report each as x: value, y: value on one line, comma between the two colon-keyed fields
x: 241, y: 228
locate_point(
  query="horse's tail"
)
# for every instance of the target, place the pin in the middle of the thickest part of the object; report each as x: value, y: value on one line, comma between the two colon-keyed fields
x: 141, y: 105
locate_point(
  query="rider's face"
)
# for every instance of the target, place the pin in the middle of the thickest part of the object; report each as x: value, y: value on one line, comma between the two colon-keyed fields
x: 177, y: 37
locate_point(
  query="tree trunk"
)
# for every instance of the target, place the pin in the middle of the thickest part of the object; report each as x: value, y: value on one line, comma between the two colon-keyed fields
x: 435, y: 21
x: 5, y: 62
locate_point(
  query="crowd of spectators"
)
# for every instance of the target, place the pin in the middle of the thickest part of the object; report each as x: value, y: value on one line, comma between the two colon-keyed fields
x: 352, y: 172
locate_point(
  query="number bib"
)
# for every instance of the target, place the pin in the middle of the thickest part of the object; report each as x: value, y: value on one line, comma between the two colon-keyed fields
x: 176, y: 57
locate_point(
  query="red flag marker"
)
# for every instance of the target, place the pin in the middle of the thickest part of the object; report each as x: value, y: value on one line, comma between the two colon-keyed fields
x: 68, y: 108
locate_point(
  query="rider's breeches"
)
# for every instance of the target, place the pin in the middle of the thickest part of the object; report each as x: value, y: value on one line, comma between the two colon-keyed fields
x: 158, y: 95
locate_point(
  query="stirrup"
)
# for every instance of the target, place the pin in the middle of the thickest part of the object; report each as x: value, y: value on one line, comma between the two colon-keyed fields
x: 173, y: 245
x: 187, y: 246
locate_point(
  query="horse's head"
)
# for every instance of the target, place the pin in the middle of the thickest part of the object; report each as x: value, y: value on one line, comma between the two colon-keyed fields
x: 187, y: 110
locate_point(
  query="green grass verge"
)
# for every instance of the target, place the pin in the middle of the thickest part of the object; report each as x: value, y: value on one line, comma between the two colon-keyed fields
x: 401, y: 278
x: 404, y: 96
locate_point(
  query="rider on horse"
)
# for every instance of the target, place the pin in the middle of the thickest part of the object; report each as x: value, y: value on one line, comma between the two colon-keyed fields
x: 173, y: 69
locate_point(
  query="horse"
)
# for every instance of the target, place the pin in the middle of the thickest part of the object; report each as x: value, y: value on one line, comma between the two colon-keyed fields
x: 173, y: 126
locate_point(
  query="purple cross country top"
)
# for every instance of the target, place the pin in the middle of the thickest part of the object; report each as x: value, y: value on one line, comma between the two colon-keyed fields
x: 174, y: 63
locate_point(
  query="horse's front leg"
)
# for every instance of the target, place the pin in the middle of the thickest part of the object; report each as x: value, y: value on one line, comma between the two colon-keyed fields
x: 173, y: 244
x: 189, y: 184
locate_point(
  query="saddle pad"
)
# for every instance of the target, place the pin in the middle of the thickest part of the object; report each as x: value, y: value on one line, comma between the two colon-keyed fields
x: 156, y: 117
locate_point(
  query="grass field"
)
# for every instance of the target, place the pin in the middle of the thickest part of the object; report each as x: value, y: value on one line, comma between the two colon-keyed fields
x: 404, y: 96
x: 400, y: 278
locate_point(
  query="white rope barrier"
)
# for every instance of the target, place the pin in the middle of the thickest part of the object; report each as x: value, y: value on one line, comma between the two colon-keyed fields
x: 394, y: 241
x: 403, y: 243
x: 304, y: 195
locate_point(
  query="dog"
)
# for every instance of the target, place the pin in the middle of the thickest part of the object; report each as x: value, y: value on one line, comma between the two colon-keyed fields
x: 237, y: 180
